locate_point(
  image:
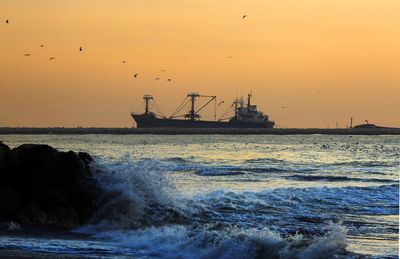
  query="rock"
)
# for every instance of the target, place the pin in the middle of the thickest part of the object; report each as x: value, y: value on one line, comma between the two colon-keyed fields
x: 4, y: 153
x: 31, y: 164
x: 81, y: 189
x: 32, y: 215
x: 71, y: 167
x: 9, y: 202
x: 63, y: 216
x: 40, y: 185
x: 41, y: 156
x: 86, y: 158
x: 48, y: 195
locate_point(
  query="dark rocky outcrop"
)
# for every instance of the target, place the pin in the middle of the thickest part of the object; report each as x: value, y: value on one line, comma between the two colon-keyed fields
x: 4, y: 153
x: 42, y: 186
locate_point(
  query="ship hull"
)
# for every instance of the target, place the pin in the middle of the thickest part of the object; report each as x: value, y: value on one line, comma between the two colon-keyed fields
x: 143, y: 121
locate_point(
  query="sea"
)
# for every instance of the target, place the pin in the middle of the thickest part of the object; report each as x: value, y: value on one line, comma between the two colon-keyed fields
x: 234, y: 196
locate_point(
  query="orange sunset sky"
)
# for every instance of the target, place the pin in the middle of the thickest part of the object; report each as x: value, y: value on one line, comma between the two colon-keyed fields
x: 325, y: 61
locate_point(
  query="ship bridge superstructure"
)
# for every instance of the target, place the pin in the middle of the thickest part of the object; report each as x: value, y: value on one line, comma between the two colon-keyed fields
x: 247, y: 112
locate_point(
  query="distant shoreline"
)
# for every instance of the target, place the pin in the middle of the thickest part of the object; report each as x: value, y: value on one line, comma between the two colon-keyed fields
x: 197, y: 131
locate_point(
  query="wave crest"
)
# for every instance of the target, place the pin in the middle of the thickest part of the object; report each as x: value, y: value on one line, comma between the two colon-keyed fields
x: 228, y: 241
x: 134, y: 195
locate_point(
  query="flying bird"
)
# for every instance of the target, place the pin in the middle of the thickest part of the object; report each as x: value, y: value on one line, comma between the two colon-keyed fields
x: 52, y: 58
x: 135, y: 75
x: 157, y: 78
x: 42, y: 45
x: 169, y: 79
x: 244, y: 16
x: 221, y: 102
x: 124, y: 61
x: 80, y: 49
x: 283, y: 107
x: 7, y: 21
x: 27, y: 54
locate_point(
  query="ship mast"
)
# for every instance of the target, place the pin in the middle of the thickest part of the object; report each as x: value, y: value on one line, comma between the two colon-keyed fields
x: 192, y: 112
x: 248, y: 101
x: 147, y: 98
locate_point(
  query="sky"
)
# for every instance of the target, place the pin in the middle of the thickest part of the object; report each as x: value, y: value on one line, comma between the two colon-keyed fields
x: 323, y: 60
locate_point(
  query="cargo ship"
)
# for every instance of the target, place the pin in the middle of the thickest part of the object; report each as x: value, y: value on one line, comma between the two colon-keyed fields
x: 245, y: 115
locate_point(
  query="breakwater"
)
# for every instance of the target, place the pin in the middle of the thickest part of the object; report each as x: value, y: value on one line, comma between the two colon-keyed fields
x: 189, y: 131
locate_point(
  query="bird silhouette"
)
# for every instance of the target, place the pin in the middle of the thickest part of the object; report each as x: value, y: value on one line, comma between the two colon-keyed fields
x: 42, y: 45
x: 27, y: 54
x: 52, y: 58
x: 80, y: 49
x: 124, y: 61
x: 169, y: 79
x: 283, y: 107
x: 7, y: 21
x: 135, y: 75
x: 157, y: 78
x: 244, y: 16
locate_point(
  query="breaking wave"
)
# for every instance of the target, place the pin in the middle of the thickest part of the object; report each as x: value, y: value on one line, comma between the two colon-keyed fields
x: 135, y: 195
x: 141, y: 209
x: 227, y: 241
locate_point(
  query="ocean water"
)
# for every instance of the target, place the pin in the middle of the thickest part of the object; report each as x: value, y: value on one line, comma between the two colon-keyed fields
x: 263, y: 196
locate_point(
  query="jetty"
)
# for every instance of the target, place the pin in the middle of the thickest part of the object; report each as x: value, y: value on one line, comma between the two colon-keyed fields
x: 199, y: 131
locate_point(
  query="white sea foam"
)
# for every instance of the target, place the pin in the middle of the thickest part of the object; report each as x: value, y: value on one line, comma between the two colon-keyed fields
x: 134, y: 194
x: 141, y: 210
x: 226, y: 241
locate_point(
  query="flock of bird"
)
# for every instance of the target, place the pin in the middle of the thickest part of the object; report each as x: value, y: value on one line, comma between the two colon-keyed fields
x: 136, y: 75
x: 42, y: 46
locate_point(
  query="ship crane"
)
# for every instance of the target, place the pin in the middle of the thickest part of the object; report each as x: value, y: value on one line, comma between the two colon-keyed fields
x: 192, y: 114
x: 149, y: 102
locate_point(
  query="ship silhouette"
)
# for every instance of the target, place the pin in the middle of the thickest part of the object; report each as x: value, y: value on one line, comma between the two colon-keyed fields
x: 245, y: 115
